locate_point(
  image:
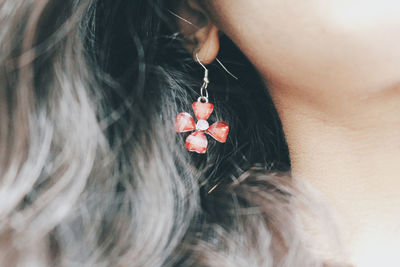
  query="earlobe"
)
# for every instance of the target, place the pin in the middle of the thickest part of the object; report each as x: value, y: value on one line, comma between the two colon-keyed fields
x: 208, y: 45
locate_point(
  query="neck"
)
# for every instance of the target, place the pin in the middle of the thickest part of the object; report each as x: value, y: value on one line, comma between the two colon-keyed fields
x: 348, y: 148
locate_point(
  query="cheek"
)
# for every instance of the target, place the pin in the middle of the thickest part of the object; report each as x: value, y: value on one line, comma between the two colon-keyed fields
x: 326, y: 46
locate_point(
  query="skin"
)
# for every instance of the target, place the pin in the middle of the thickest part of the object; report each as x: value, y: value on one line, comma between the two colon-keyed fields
x: 333, y: 70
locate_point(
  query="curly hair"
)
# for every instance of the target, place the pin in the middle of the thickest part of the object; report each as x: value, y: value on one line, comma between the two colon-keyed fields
x: 92, y: 172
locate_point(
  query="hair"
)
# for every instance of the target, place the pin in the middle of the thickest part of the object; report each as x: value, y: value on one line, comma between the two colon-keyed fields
x: 92, y: 172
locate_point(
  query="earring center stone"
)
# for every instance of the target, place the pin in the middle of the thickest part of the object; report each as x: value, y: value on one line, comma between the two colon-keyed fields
x: 202, y: 125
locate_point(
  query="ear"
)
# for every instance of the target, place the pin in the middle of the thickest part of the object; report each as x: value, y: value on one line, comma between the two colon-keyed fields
x: 201, y: 35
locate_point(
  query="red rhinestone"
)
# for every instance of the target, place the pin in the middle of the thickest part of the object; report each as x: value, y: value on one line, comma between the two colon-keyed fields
x: 184, y: 123
x: 219, y: 131
x: 197, y: 142
x: 202, y: 111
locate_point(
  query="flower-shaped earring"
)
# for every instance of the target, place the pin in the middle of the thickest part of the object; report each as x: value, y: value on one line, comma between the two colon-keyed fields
x: 197, y: 141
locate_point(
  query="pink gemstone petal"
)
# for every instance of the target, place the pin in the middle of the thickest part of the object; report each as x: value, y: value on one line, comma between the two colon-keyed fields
x: 197, y: 142
x: 219, y: 131
x: 202, y: 111
x: 184, y: 123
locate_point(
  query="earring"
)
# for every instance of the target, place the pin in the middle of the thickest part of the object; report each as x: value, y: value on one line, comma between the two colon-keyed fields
x: 202, y: 109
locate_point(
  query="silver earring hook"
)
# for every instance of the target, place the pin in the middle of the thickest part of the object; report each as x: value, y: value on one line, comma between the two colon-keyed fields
x: 206, y: 81
x: 199, y: 61
x: 219, y: 62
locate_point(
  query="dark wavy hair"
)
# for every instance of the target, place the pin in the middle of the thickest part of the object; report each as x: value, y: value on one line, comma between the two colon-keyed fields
x: 92, y: 172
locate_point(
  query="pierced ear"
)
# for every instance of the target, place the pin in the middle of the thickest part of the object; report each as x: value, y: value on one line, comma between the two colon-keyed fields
x: 200, y: 33
x: 209, y: 47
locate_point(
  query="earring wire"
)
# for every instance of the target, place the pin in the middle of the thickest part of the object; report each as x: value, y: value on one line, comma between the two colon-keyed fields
x: 219, y: 62
x: 230, y: 73
x: 206, y: 81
